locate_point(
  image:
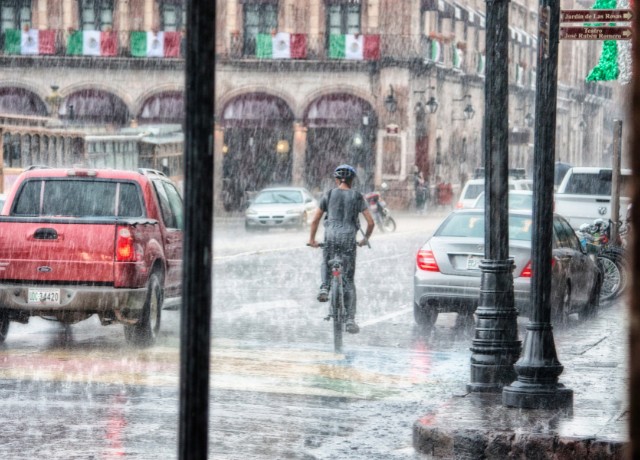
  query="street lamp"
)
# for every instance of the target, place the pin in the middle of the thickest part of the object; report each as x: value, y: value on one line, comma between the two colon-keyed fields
x: 538, y: 369
x: 468, y: 112
x: 422, y: 107
x: 390, y: 102
x: 495, y: 346
x: 528, y: 120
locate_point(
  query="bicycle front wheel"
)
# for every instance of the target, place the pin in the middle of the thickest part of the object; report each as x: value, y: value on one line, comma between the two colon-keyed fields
x: 337, y: 311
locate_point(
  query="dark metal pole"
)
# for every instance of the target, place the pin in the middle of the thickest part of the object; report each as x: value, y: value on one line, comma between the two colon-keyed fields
x: 196, y: 280
x: 496, y: 346
x: 615, y: 178
x: 538, y: 368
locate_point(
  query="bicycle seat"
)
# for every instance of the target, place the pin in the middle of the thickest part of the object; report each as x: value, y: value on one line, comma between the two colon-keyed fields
x: 335, y: 262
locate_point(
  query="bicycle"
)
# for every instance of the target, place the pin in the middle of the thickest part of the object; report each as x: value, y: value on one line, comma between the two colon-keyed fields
x: 610, y: 255
x: 337, y: 310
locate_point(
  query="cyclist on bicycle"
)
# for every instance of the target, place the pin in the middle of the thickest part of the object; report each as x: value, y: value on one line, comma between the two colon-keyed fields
x: 342, y: 206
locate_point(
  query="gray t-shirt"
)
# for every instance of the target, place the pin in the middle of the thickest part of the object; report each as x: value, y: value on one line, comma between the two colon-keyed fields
x: 342, y: 208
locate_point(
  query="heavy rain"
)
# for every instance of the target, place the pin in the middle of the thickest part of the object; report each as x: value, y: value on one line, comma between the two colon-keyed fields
x: 164, y: 162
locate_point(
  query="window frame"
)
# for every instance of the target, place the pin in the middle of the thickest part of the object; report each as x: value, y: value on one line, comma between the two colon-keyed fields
x: 181, y: 16
x: 344, y: 15
x: 17, y: 21
x: 98, y: 7
x: 264, y: 13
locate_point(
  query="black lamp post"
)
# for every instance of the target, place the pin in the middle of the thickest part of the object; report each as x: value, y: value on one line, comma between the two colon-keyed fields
x: 538, y: 369
x: 495, y: 347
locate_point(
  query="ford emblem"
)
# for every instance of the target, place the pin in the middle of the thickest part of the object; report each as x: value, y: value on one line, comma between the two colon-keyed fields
x: 45, y: 269
x: 602, y: 210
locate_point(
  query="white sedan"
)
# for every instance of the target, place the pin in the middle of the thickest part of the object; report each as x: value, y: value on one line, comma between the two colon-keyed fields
x: 280, y: 207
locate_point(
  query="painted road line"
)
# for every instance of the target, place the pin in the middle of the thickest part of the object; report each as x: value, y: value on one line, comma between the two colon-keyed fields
x: 258, y: 307
x: 404, y: 309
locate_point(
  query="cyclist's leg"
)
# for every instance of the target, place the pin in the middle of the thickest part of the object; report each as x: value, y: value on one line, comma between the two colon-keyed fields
x: 348, y: 273
x: 325, y: 273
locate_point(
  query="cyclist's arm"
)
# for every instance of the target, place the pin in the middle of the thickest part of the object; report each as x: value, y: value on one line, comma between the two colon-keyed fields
x: 314, y: 227
x: 370, y: 226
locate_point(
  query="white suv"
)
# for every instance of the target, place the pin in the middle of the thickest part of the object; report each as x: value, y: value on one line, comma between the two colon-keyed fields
x: 474, y: 187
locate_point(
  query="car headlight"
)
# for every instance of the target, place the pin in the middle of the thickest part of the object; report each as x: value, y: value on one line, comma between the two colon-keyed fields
x: 293, y: 211
x: 251, y: 212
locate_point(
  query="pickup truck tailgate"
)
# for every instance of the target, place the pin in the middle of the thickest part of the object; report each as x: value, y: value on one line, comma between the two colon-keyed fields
x: 52, y: 251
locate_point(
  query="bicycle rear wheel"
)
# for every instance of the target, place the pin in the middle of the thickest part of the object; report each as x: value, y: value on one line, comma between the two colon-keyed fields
x: 612, y: 277
x: 337, y: 311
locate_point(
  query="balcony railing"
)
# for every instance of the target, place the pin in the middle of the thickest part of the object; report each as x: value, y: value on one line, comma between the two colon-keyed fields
x: 106, y: 44
x: 436, y: 49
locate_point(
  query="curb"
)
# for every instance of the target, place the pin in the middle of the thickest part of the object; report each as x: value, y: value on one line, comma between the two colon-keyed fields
x: 505, y: 433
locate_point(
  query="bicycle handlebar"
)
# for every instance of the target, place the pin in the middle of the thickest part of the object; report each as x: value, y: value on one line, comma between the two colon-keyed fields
x: 322, y: 245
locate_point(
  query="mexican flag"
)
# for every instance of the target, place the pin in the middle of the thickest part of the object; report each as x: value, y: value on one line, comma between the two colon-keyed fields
x: 92, y: 43
x: 282, y: 45
x: 32, y: 41
x: 155, y: 44
x: 356, y: 47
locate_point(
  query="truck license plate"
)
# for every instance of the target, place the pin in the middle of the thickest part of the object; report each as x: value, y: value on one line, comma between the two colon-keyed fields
x: 44, y: 296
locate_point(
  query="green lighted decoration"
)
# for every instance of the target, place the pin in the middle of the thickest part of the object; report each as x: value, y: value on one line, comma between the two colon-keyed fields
x: 607, y: 68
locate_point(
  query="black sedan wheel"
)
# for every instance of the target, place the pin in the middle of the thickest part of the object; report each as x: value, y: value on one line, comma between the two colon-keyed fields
x: 425, y: 315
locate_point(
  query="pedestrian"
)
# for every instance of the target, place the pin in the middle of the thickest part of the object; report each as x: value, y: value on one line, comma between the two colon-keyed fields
x: 419, y: 187
x: 342, y: 206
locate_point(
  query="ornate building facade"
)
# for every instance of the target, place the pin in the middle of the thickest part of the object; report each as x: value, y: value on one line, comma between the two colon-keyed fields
x: 390, y: 86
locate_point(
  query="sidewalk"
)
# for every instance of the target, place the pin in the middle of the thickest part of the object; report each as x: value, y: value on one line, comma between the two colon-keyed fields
x: 594, y: 354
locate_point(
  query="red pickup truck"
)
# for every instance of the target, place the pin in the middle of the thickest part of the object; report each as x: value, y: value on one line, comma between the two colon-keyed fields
x: 78, y: 242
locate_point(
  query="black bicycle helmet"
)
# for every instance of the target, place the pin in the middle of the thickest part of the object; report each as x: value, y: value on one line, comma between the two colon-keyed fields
x: 344, y: 172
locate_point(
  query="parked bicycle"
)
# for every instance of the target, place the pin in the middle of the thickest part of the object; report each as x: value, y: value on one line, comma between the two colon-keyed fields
x: 596, y: 239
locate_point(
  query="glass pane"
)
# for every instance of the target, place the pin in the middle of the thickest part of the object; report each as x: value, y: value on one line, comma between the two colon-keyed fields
x: 334, y: 16
x: 8, y: 18
x: 129, y: 205
x: 353, y: 19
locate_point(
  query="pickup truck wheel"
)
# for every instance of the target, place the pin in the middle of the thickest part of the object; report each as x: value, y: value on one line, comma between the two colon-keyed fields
x: 145, y: 331
x: 4, y: 325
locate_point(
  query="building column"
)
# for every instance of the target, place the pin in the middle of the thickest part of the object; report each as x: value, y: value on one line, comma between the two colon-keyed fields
x: 299, y: 151
x: 67, y: 14
x: 218, y: 146
x: 148, y: 15
x: 42, y: 17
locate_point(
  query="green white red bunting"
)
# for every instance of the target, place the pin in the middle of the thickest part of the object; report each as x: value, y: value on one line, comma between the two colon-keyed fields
x: 355, y: 47
x: 282, y: 45
x: 29, y: 42
x: 92, y: 43
x: 155, y: 44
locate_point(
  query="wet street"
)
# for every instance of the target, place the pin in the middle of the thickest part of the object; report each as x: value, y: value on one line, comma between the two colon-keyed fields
x: 277, y: 388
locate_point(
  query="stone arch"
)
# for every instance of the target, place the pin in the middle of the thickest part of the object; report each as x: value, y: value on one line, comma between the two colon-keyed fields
x: 94, y: 106
x: 341, y: 128
x: 337, y: 89
x: 234, y: 94
x: 18, y: 100
x: 258, y: 135
x: 162, y: 107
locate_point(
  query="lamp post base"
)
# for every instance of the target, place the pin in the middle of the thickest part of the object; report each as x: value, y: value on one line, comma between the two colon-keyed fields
x: 537, y: 396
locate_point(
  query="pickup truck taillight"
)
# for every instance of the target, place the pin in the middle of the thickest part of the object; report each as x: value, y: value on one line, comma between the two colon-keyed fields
x: 125, y: 247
